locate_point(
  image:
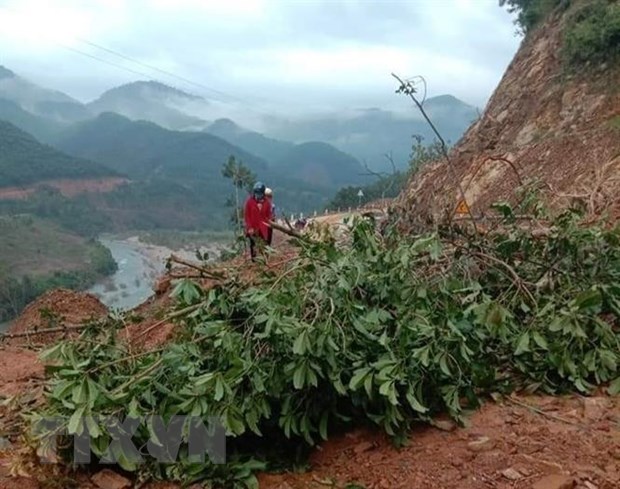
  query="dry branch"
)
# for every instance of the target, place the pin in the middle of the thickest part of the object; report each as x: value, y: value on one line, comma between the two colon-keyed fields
x: 32, y: 332
x: 204, y: 271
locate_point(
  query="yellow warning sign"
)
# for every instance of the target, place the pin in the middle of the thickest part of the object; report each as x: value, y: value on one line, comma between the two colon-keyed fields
x: 462, y: 208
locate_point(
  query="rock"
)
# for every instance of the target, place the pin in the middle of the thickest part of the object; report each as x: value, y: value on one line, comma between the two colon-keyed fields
x: 555, y: 481
x: 284, y: 485
x: 162, y: 286
x: 589, y: 485
x: 5, y: 444
x: 107, y: 479
x: 512, y: 474
x: 457, y: 462
x: 482, y: 444
x: 363, y: 447
x: 444, y: 424
x: 595, y: 408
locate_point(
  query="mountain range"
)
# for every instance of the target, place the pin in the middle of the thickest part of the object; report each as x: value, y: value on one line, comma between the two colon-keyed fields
x: 24, y: 160
x: 162, y: 138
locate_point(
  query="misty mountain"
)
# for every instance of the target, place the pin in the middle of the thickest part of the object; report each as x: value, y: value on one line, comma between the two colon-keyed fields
x: 371, y: 133
x: 152, y: 101
x: 24, y: 160
x: 143, y: 149
x: 316, y: 163
x: 40, y: 101
x: 161, y: 158
x: 267, y: 148
x: 321, y: 164
x: 40, y: 127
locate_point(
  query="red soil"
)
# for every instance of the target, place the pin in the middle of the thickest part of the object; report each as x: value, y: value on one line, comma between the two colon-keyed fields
x: 67, y: 187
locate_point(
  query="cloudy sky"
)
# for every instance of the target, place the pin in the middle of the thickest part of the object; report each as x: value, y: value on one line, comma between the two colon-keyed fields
x: 287, y: 55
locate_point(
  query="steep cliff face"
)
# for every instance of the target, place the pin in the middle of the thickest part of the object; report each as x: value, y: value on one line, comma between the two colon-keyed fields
x: 542, y: 123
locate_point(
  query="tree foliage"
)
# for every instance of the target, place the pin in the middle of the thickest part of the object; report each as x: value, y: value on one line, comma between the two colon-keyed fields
x: 23, y: 160
x: 241, y: 177
x: 593, y: 34
x: 389, y: 185
x: 387, y: 329
x: 530, y: 13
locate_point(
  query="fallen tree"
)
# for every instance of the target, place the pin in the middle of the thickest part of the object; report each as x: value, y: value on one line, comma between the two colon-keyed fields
x: 386, y: 329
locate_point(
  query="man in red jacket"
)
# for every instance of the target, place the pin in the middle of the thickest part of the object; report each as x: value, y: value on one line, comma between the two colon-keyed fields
x: 257, y: 215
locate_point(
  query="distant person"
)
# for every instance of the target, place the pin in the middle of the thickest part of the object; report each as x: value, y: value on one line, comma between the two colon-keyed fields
x: 257, y: 214
x: 269, y: 200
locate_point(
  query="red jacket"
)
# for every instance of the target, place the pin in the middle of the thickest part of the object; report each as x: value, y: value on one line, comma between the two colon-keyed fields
x: 257, y: 215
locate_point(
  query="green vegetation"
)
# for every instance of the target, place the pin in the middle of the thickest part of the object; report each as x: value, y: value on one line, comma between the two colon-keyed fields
x: 183, y: 166
x: 614, y: 122
x: 388, y: 330
x: 386, y: 187
x: 593, y: 33
x: 41, y: 128
x: 389, y: 186
x: 78, y: 214
x: 144, y: 150
x: 320, y: 164
x: 37, y: 255
x: 531, y: 13
x: 242, y: 178
x: 23, y: 160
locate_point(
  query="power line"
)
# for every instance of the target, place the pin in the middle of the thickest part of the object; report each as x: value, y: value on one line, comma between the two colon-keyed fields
x: 164, y: 72
x: 97, y: 58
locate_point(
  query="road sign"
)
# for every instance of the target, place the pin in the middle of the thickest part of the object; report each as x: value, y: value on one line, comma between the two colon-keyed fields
x: 462, y: 208
x: 360, y: 194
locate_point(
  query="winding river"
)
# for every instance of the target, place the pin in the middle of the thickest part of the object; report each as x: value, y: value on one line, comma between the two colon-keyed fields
x: 139, y: 266
x: 138, y: 269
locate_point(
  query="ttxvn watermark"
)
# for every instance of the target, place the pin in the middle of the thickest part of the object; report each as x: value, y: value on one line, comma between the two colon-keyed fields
x: 165, y: 439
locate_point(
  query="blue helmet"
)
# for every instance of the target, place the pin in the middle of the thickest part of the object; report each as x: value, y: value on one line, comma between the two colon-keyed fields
x: 259, y: 189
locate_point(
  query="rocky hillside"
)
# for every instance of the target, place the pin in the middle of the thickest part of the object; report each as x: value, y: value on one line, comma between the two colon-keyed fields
x: 546, y: 121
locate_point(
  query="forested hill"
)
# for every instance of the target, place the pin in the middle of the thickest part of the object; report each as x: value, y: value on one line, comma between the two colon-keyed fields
x: 24, y: 160
x: 142, y: 149
x: 322, y: 164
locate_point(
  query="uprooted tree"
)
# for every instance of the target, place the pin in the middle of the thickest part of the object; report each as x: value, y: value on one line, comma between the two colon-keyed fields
x: 381, y: 328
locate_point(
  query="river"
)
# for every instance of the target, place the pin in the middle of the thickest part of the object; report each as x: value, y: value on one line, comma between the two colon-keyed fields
x: 133, y: 282
x: 139, y: 266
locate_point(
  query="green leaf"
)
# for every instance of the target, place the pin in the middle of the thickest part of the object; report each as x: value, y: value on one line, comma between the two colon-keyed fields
x: 299, y: 376
x: 414, y: 403
x: 540, y: 340
x: 368, y: 384
x: 614, y: 387
x: 443, y: 364
x: 219, y: 389
x: 299, y: 346
x: 608, y: 359
x: 76, y: 421
x: 589, y: 299
x: 92, y: 427
x: 358, y: 377
x: 323, y: 425
x: 524, y: 344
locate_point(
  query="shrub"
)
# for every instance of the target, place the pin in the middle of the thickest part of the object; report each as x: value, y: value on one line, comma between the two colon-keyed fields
x: 383, y: 330
x: 593, y: 33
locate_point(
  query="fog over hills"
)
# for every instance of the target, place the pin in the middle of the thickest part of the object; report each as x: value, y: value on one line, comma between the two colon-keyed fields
x: 366, y: 134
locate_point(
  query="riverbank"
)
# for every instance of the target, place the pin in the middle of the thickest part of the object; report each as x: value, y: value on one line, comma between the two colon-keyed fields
x: 140, y: 264
x: 37, y: 255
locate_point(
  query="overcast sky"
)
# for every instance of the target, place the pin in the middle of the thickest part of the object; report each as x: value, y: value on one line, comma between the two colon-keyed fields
x: 291, y: 56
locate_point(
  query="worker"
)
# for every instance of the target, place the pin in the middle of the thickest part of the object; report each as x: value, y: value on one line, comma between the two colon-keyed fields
x: 269, y: 200
x: 257, y: 214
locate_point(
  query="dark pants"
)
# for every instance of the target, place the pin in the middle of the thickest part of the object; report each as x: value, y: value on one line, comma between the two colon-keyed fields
x: 255, y: 241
